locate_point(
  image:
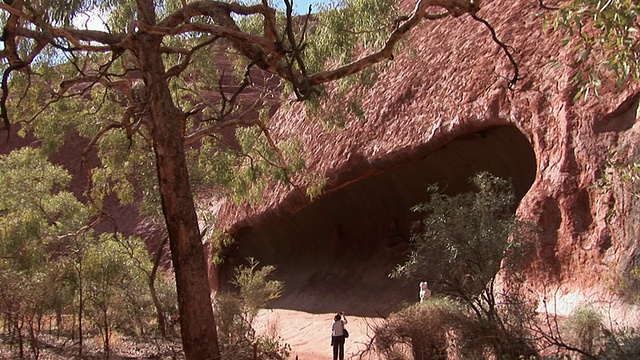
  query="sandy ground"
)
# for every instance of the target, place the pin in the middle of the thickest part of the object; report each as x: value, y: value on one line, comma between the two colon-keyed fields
x: 309, y: 335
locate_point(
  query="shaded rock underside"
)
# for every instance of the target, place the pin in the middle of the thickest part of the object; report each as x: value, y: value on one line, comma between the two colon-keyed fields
x: 440, y: 112
x: 338, y: 252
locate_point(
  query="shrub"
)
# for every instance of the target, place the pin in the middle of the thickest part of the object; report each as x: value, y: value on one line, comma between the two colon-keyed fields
x: 584, y: 328
x: 236, y: 311
x: 587, y: 335
x: 444, y: 328
x: 460, y: 246
x: 622, y: 344
x: 420, y: 331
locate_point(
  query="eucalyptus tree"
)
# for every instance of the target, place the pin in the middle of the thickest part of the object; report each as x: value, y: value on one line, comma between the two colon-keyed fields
x: 37, y: 218
x: 144, y: 89
x: 604, y: 37
x: 114, y: 283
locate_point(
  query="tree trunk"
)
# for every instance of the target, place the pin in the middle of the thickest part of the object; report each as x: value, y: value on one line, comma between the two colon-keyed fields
x: 197, y: 325
x: 160, y: 312
x: 106, y: 334
x: 80, y: 311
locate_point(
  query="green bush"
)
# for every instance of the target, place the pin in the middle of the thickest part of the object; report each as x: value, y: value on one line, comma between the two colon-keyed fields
x: 236, y: 311
x: 587, y: 335
x: 419, y: 331
x: 460, y: 246
x: 585, y: 329
x: 622, y: 344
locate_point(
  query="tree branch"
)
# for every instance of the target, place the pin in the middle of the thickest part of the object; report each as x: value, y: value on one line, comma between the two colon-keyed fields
x: 547, y: 7
x: 178, y: 69
x: 453, y: 7
x: 217, y: 30
x: 505, y: 48
x: 6, y: 124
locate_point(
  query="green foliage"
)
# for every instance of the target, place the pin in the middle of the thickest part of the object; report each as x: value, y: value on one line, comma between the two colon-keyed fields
x: 358, y: 25
x: 220, y: 241
x: 89, y: 109
x: 584, y: 335
x: 462, y: 243
x: 35, y: 208
x: 419, y: 331
x: 244, y: 174
x: 115, y: 287
x: 444, y: 328
x: 622, y: 344
x: 236, y: 313
x: 463, y: 239
x: 126, y: 163
x: 255, y: 290
x: 38, y: 216
x: 604, y: 36
x: 48, y: 258
x: 585, y: 329
x: 343, y: 32
x: 316, y: 185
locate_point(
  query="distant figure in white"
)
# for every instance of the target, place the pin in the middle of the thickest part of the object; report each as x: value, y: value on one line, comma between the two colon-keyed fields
x: 425, y: 293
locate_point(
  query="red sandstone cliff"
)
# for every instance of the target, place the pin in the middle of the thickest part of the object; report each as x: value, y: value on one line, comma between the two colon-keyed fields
x: 439, y: 112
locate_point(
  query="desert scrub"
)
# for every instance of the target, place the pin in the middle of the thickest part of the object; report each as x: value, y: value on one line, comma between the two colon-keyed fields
x: 420, y: 331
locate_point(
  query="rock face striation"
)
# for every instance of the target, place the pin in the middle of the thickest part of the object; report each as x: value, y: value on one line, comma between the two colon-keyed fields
x: 440, y: 112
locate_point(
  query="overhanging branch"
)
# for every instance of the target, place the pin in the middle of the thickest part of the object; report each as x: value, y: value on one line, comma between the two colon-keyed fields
x: 453, y: 7
x: 6, y: 124
x: 505, y: 48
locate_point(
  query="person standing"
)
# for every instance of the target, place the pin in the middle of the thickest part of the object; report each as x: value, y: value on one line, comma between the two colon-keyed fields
x: 425, y: 293
x: 338, y: 336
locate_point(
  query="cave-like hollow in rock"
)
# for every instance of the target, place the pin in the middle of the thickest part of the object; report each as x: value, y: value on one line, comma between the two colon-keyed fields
x: 337, y: 252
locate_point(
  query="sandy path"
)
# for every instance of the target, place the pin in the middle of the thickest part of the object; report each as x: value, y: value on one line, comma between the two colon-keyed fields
x: 310, y: 334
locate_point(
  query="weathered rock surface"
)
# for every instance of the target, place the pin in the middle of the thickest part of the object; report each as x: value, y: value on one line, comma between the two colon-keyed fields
x: 440, y: 112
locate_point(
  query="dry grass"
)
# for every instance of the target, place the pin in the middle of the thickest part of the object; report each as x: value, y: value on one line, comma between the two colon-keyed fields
x: 122, y: 347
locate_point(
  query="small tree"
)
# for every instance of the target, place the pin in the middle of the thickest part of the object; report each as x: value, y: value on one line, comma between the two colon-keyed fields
x: 37, y: 215
x: 236, y: 312
x: 463, y: 242
x: 584, y: 328
x: 114, y: 286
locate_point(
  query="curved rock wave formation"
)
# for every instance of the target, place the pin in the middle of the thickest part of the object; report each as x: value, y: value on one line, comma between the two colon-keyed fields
x: 441, y: 110
x: 343, y: 246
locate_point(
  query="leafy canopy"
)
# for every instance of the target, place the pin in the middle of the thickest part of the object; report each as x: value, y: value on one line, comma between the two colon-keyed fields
x: 36, y: 210
x: 604, y: 36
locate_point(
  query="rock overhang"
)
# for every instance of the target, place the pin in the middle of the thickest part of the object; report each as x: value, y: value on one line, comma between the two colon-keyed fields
x: 342, y: 246
x: 452, y: 84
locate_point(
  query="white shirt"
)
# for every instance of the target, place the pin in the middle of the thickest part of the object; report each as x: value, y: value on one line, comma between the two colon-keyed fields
x: 338, y: 326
